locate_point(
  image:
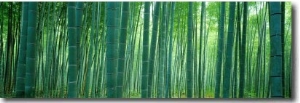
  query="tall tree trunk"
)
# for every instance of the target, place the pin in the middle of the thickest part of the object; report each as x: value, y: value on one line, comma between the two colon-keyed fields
x: 169, y: 70
x: 201, y: 68
x: 111, y: 51
x: 153, y: 47
x: 9, y: 51
x: 282, y: 46
x: 162, y: 52
x: 243, y: 51
x: 145, y: 50
x: 118, y: 29
x: 30, y: 52
x: 220, y: 50
x: 90, y: 71
x: 72, y: 72
x: 189, y: 68
x: 228, y: 60
x: 122, y: 47
x: 20, y: 84
x: 276, y: 78
x: 237, y: 45
x: 78, y: 24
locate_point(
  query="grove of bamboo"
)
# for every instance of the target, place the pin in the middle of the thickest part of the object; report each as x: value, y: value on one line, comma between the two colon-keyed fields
x: 145, y: 50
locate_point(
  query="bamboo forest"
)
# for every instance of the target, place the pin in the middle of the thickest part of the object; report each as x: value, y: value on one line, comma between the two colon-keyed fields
x: 150, y: 49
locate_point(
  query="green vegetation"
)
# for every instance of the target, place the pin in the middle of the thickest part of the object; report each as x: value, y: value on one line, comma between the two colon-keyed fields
x: 145, y: 50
